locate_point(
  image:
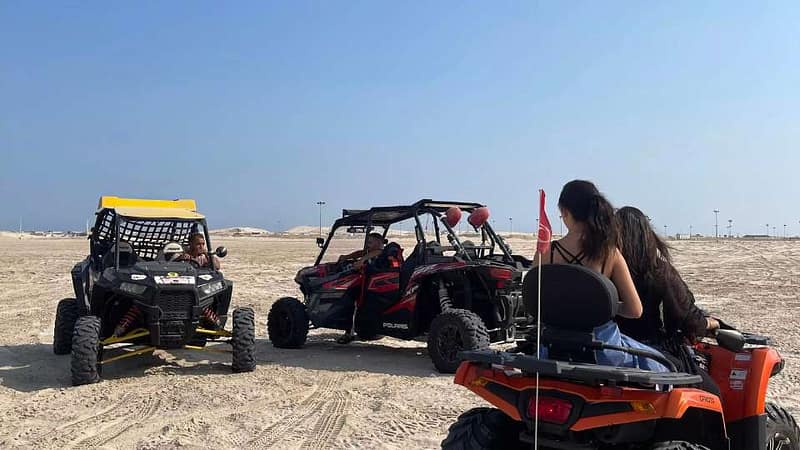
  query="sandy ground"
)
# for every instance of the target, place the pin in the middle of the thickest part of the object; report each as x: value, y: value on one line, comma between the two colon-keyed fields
x: 382, y: 394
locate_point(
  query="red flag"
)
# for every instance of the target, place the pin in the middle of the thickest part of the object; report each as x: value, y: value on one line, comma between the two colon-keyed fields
x: 545, y: 232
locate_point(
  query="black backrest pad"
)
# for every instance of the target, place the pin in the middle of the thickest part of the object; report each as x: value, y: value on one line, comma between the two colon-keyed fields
x: 573, y: 297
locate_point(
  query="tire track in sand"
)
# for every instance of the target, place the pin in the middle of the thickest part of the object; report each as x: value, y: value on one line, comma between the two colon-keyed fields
x: 297, y: 417
x: 330, y: 423
x: 135, y: 416
x: 67, y: 432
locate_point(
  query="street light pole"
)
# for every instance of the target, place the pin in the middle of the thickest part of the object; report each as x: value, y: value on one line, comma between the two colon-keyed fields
x: 767, y: 230
x: 510, y: 226
x: 665, y: 231
x: 784, y: 231
x: 716, y: 224
x: 690, y: 231
x: 730, y: 228
x: 321, y: 204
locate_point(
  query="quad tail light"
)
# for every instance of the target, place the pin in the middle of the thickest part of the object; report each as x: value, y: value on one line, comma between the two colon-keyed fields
x: 554, y: 410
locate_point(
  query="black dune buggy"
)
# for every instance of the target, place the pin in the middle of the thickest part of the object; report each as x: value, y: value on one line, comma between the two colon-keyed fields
x: 134, y: 294
x: 464, y: 295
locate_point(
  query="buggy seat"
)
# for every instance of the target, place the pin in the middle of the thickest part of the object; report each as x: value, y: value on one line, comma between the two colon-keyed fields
x: 127, y: 257
x: 575, y: 301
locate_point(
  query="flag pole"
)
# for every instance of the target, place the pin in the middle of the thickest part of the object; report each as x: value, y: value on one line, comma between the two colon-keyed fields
x: 538, y: 346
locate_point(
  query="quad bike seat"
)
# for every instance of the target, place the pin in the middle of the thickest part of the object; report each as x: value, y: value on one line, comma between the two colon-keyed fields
x: 575, y: 300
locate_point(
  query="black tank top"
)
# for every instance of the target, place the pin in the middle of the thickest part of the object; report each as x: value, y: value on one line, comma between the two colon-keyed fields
x: 569, y: 257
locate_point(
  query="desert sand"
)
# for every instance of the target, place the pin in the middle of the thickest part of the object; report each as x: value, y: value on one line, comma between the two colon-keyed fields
x: 383, y: 394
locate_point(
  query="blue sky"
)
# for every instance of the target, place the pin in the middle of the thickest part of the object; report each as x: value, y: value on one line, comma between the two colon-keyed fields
x: 259, y: 109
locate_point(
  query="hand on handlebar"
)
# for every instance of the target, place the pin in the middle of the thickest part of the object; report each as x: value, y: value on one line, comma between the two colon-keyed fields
x: 712, y: 325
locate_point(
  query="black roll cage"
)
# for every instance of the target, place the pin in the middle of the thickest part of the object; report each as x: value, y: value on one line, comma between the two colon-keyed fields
x: 108, y: 222
x: 386, y: 216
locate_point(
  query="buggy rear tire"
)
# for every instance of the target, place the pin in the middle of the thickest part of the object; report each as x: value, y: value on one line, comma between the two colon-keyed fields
x: 86, y: 349
x: 453, y: 331
x: 287, y: 323
x: 677, y: 445
x: 243, y: 340
x: 782, y: 430
x: 483, y: 428
x: 66, y: 316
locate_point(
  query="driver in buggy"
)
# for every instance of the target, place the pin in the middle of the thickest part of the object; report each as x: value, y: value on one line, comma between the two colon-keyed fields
x: 373, y: 248
x: 197, y: 252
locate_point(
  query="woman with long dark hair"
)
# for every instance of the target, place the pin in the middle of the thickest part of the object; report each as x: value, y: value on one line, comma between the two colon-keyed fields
x: 669, y: 312
x: 670, y: 319
x: 592, y: 241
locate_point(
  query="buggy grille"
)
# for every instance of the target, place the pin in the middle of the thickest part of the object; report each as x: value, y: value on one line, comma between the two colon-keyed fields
x: 175, y: 304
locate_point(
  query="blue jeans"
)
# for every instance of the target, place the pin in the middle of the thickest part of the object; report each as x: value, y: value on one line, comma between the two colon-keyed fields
x: 609, y: 333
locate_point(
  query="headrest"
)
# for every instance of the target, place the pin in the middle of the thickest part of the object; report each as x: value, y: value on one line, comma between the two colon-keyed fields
x: 125, y: 247
x: 573, y: 296
x: 434, y: 248
x: 172, y: 250
x: 469, y: 248
x: 393, y: 249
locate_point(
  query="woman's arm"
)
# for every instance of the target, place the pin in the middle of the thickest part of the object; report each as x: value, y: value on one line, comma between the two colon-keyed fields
x: 631, y: 304
x: 680, y: 311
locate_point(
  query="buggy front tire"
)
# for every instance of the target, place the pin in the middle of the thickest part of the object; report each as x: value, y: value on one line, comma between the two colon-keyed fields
x: 243, y: 340
x: 453, y: 331
x: 66, y: 316
x: 782, y: 430
x: 287, y: 323
x: 483, y: 428
x: 86, y: 350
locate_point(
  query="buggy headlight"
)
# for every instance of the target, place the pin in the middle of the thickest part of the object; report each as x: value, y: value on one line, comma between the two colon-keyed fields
x: 211, y: 288
x: 132, y: 288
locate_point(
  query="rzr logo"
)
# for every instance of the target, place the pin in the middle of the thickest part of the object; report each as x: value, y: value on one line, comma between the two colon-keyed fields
x: 400, y: 326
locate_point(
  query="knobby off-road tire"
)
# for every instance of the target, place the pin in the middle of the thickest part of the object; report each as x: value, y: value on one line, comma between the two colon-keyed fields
x: 66, y: 316
x: 243, y: 340
x: 782, y: 430
x: 483, y: 428
x: 287, y: 323
x: 677, y: 445
x: 86, y: 351
x: 451, y: 332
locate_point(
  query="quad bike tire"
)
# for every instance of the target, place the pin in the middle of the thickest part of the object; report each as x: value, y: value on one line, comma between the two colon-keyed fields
x: 66, y: 316
x: 453, y: 331
x: 782, y: 430
x: 483, y: 428
x: 677, y: 445
x: 243, y: 340
x: 287, y: 323
x: 86, y: 350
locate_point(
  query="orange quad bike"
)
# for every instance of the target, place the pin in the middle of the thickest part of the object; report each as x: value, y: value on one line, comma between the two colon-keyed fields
x: 582, y: 405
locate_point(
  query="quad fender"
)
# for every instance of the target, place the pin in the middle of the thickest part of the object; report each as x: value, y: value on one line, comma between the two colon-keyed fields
x: 621, y: 405
x: 742, y: 377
